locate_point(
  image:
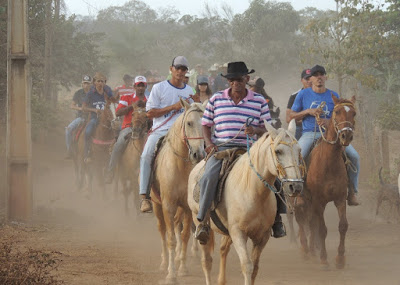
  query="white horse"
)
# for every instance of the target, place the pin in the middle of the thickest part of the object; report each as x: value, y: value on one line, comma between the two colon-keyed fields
x: 248, y: 207
x: 183, y: 147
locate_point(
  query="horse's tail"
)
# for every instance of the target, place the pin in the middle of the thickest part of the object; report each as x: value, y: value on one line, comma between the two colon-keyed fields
x: 380, y: 177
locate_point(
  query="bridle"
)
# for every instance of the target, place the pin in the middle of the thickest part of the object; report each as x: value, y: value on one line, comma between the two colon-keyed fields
x: 184, y: 137
x: 300, y: 169
x: 349, y: 127
x: 139, y: 121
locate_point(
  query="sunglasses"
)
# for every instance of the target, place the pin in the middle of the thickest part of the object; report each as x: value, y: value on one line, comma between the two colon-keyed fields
x: 238, y: 79
x: 181, y: 67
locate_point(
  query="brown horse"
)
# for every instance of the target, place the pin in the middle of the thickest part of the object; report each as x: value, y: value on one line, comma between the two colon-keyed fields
x: 103, y: 137
x: 327, y: 181
x: 183, y: 147
x: 128, y: 167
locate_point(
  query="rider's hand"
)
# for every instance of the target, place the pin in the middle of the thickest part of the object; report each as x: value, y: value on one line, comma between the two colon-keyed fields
x: 250, y: 131
x: 196, y: 98
x: 177, y: 106
x: 315, y: 112
x: 210, y: 147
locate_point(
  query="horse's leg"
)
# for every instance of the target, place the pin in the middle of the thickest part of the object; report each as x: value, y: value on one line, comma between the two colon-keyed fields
x: 125, y: 190
x: 343, y: 226
x: 257, y: 249
x: 195, y: 245
x: 161, y: 228
x: 301, y: 219
x: 239, y: 240
x: 187, y: 223
x: 290, y: 217
x: 169, y: 211
x: 322, y: 232
x: 178, y: 230
x: 226, y: 242
x: 206, y: 258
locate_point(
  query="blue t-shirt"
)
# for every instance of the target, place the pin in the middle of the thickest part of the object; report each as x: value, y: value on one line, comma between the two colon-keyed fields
x: 308, y: 99
x: 95, y: 100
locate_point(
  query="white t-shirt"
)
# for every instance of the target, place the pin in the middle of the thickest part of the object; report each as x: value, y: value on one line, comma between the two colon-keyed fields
x: 162, y: 95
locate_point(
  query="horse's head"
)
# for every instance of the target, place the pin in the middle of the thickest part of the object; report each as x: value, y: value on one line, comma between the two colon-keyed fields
x: 139, y: 120
x: 192, y: 130
x: 285, y: 161
x: 107, y: 116
x: 343, y: 119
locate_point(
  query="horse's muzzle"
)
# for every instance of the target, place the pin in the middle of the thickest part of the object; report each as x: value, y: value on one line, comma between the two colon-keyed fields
x: 196, y: 156
x: 293, y: 188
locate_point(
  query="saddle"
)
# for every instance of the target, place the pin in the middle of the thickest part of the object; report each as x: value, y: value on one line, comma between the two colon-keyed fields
x: 229, y: 158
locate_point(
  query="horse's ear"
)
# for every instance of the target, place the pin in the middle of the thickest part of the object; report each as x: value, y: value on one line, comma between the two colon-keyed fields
x: 353, y: 99
x: 292, y: 127
x: 184, y: 104
x: 205, y: 103
x: 108, y: 100
x: 270, y: 129
x: 335, y: 99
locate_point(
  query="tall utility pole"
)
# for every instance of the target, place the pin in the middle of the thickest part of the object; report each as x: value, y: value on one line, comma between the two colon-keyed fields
x: 18, y: 145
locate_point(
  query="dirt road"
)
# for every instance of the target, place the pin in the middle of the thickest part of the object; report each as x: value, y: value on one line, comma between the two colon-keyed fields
x: 101, y: 245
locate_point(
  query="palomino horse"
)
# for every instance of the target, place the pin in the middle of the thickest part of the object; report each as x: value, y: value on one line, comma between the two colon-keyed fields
x: 103, y: 137
x: 182, y: 148
x: 248, y: 207
x: 327, y: 181
x: 128, y: 168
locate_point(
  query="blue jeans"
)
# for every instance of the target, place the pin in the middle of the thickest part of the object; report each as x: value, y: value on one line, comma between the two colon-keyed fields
x: 90, y: 128
x: 119, y: 148
x: 68, y: 131
x: 306, y: 141
x: 145, y: 161
x: 209, y: 181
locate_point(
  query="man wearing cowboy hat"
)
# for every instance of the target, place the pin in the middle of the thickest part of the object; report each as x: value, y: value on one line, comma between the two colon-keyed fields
x: 236, y: 104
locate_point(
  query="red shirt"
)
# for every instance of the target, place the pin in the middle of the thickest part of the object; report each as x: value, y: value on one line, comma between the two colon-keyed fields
x: 124, y: 90
x: 125, y: 101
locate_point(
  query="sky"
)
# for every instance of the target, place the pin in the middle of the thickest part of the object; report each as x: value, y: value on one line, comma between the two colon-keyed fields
x: 191, y: 7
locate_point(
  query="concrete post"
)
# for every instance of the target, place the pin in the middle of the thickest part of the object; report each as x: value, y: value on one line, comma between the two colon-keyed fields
x: 18, y: 145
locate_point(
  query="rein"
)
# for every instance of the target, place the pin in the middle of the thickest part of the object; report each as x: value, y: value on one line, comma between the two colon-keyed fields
x: 335, y: 123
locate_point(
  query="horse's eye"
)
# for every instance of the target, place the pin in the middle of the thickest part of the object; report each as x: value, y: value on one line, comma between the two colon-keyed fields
x: 278, y: 152
x: 189, y: 124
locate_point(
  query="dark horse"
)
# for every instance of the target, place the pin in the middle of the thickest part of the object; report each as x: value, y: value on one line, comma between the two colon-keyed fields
x: 327, y: 181
x: 128, y: 168
x: 100, y: 150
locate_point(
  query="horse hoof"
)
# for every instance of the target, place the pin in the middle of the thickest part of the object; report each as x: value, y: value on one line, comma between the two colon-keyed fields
x: 168, y: 281
x: 340, y: 262
x: 324, y: 264
x: 182, y: 272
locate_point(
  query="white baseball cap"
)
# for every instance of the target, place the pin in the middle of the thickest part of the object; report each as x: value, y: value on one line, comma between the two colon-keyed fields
x: 140, y: 79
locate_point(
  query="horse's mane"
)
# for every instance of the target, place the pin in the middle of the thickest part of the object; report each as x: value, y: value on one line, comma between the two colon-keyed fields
x: 140, y: 104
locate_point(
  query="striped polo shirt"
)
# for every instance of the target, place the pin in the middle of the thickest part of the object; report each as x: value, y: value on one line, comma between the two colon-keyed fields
x: 228, y: 118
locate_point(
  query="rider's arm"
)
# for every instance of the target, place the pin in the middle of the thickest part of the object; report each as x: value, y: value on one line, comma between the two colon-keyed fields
x: 75, y: 106
x: 155, y: 113
x: 207, y: 139
x: 298, y: 116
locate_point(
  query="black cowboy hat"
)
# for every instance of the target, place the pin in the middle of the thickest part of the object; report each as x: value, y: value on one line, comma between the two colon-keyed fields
x: 237, y: 69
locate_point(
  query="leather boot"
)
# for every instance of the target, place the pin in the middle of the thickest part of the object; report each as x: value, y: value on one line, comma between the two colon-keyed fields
x: 351, y: 197
x: 278, y: 229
